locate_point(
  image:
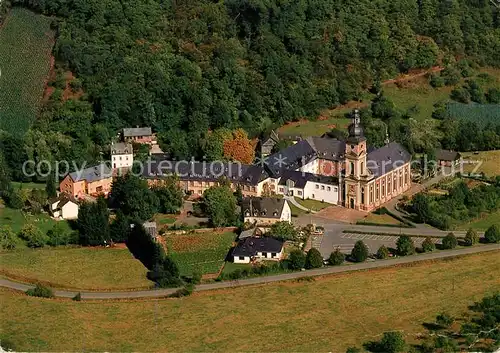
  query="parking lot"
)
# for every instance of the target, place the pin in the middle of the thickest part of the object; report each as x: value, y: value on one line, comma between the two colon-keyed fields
x: 345, y: 241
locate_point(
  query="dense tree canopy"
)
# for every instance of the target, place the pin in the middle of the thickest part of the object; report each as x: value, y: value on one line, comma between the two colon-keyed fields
x: 186, y: 67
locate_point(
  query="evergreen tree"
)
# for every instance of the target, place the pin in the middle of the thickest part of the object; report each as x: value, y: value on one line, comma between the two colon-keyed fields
x: 313, y: 259
x: 50, y: 186
x: 360, y: 252
x: 93, y: 223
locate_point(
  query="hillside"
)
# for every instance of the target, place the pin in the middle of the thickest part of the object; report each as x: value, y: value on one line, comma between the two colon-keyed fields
x: 185, y: 67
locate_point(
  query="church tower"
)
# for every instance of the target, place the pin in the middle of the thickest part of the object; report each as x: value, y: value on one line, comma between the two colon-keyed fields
x: 356, y: 172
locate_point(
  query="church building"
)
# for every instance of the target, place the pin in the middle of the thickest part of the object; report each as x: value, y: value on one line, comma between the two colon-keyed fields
x: 371, y: 178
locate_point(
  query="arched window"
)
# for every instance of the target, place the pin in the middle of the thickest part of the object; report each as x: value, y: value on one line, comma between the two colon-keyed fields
x: 352, y: 168
x: 362, y: 196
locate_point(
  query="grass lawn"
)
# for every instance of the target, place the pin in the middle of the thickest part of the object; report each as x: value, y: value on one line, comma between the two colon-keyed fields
x: 483, y: 223
x: 29, y: 186
x: 490, y: 162
x: 380, y: 219
x: 312, y: 204
x: 296, y: 211
x: 230, y: 267
x: 205, y: 252
x: 417, y: 92
x: 27, y: 42
x: 329, y: 314
x: 82, y: 268
x: 16, y: 219
x: 164, y: 219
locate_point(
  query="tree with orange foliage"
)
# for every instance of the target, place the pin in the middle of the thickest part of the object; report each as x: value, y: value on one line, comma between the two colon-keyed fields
x: 239, y: 147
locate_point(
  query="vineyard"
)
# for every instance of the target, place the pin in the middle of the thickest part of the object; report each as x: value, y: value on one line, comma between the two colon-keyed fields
x: 204, y: 252
x: 482, y: 114
x: 25, y: 47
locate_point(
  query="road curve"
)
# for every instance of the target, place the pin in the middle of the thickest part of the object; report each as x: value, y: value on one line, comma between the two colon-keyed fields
x: 158, y: 293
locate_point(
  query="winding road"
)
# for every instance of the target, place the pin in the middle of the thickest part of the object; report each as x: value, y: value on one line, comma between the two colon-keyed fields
x: 159, y: 293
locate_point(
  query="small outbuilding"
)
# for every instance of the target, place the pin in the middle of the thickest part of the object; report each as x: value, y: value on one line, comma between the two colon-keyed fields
x: 251, y: 248
x: 447, y: 158
x: 64, y: 206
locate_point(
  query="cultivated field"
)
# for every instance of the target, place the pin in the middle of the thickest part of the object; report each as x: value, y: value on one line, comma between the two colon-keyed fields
x: 81, y: 268
x: 328, y: 314
x: 490, y: 162
x: 203, y: 252
x: 24, y: 63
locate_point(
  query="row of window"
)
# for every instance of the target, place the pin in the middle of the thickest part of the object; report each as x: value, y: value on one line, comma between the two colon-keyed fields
x: 120, y: 158
x: 385, y: 191
x: 328, y: 188
x: 264, y: 254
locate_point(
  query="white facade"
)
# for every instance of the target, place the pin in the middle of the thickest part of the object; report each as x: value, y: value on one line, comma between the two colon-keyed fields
x: 260, y: 255
x: 67, y: 211
x: 312, y: 190
x: 122, y: 155
x: 311, y: 167
x: 286, y: 215
x: 321, y: 192
x: 122, y: 160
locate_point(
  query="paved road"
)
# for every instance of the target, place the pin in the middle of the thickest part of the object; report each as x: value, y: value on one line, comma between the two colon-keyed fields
x: 262, y: 280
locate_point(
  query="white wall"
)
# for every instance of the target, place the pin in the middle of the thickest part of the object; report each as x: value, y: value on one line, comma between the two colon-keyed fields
x: 268, y: 256
x: 69, y: 211
x: 286, y: 214
x: 236, y: 260
x: 122, y: 160
x: 320, y: 192
x: 311, y: 167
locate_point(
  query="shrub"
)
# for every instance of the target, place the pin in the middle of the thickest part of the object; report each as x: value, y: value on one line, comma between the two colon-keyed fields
x: 405, y: 245
x: 444, y: 320
x: 471, y: 237
x: 40, y: 291
x: 382, y: 252
x: 360, y: 252
x: 196, y: 277
x: 436, y: 81
x: 8, y: 239
x: 492, y: 234
x: 353, y: 350
x: 77, y: 297
x: 313, y: 259
x: 336, y: 258
x: 33, y: 236
x: 392, y: 342
x: 296, y: 259
x: 461, y: 95
x: 450, y: 241
x: 428, y: 245
x: 185, y: 291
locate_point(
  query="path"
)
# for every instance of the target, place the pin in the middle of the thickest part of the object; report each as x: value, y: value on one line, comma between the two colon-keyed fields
x: 412, y: 76
x: 158, y: 293
x: 294, y: 202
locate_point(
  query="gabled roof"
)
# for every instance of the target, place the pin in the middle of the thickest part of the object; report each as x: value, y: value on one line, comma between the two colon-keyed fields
x: 300, y: 179
x: 137, y: 131
x: 385, y: 159
x: 291, y: 158
x: 252, y: 245
x: 263, y: 207
x: 121, y: 148
x: 447, y: 155
x: 61, y: 200
x: 205, y: 171
x: 99, y: 172
x: 327, y: 148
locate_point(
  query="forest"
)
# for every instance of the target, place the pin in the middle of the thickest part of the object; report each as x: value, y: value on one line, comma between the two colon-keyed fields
x: 186, y: 67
